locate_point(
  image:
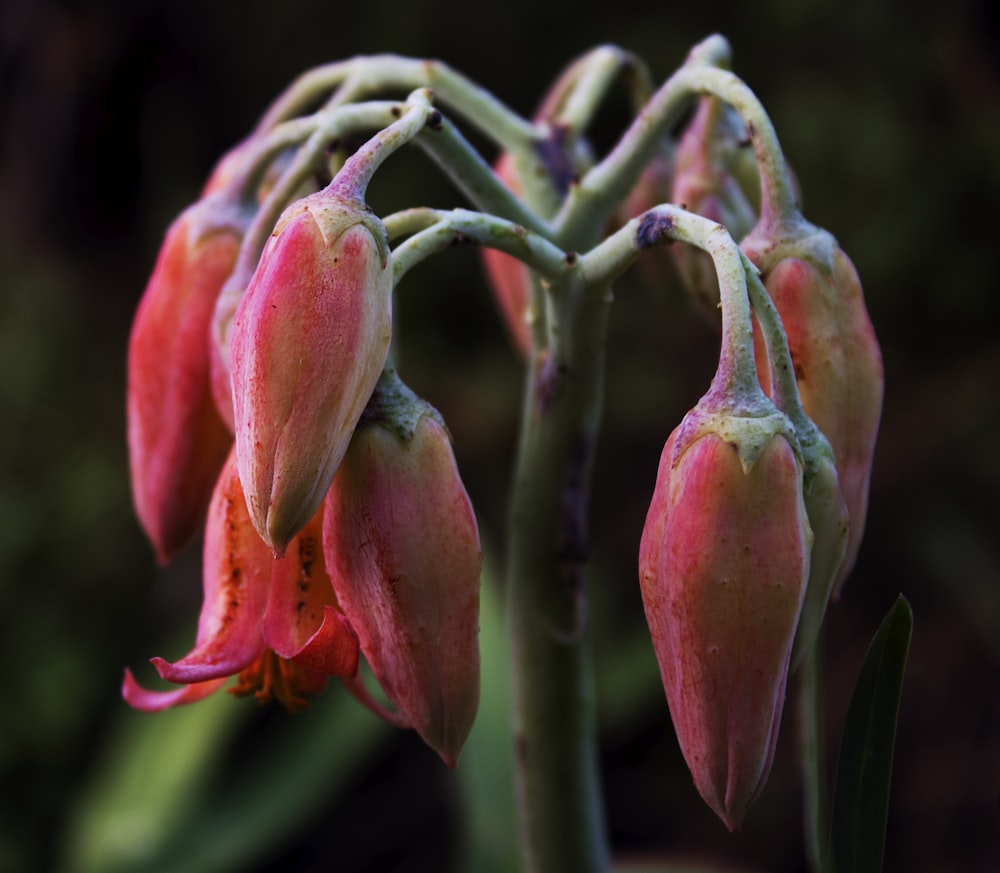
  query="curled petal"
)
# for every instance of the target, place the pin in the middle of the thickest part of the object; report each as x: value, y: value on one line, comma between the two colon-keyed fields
x: 303, y: 622
x: 153, y: 701
x: 237, y: 572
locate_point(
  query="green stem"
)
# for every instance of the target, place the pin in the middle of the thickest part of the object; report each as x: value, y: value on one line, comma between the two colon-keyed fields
x: 436, y: 230
x: 813, y: 769
x: 557, y: 775
x: 604, y: 186
x: 353, y: 178
x: 363, y: 77
x: 467, y: 169
x: 304, y: 93
x: 736, y: 378
x: 589, y: 88
x: 784, y: 389
x: 776, y: 191
x: 326, y: 127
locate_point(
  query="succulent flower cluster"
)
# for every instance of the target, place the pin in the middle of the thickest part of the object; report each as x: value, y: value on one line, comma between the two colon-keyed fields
x: 327, y: 536
x: 263, y: 404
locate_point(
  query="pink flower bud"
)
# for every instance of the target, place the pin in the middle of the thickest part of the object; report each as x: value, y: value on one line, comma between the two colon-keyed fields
x: 309, y: 340
x: 403, y: 550
x: 838, y: 367
x: 273, y: 621
x: 177, y: 441
x: 723, y: 565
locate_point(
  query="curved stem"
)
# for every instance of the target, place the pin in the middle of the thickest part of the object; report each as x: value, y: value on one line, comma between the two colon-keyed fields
x: 607, y: 183
x: 460, y: 161
x: 777, y: 196
x: 307, y: 90
x: 327, y: 126
x: 434, y: 231
x: 596, y: 76
x: 368, y: 76
x: 785, y: 390
x: 737, y: 367
x: 353, y: 178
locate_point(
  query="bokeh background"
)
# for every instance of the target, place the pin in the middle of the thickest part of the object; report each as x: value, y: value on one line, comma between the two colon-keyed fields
x: 112, y: 114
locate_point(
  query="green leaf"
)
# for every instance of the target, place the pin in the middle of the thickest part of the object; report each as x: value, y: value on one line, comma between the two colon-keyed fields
x: 487, y: 763
x: 864, y: 770
x: 159, y: 800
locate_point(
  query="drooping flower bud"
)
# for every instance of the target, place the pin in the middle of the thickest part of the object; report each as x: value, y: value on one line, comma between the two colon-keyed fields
x: 403, y: 550
x: 177, y: 441
x: 723, y: 564
x: 838, y: 363
x: 309, y: 340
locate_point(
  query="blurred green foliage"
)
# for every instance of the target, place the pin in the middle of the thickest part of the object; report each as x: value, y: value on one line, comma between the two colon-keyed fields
x: 111, y: 116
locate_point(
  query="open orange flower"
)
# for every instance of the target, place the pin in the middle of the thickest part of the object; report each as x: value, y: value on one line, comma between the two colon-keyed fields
x: 274, y: 622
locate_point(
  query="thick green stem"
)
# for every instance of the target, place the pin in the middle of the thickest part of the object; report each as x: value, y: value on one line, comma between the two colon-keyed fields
x: 558, y: 784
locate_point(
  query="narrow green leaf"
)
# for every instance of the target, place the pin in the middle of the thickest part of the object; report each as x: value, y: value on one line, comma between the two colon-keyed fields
x: 487, y: 763
x: 864, y: 770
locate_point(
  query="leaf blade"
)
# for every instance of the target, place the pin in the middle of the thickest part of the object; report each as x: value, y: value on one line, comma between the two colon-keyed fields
x: 864, y: 770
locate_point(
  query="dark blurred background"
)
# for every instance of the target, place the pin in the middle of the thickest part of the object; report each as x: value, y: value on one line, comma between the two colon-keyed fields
x: 111, y: 116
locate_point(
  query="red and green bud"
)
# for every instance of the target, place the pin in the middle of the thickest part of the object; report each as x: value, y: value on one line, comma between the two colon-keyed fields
x: 838, y: 364
x: 723, y: 564
x: 177, y: 441
x: 403, y: 549
x: 309, y: 340
x: 274, y: 622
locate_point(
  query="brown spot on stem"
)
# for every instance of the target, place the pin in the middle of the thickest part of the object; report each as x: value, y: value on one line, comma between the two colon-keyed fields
x: 654, y: 229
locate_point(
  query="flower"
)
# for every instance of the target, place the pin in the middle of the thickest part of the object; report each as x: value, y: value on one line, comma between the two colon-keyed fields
x: 403, y: 550
x: 309, y: 340
x: 723, y: 564
x: 274, y: 622
x: 176, y: 439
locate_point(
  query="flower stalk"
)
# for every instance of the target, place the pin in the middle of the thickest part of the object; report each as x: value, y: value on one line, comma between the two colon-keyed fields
x: 558, y: 786
x: 339, y: 527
